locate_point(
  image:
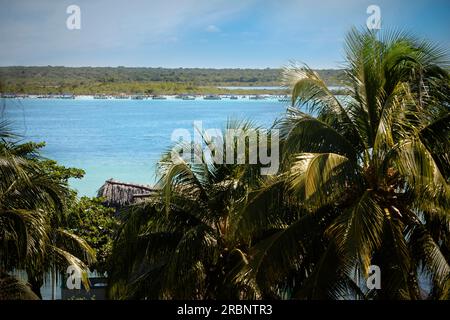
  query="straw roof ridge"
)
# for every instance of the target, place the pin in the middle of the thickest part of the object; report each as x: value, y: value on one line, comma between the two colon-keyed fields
x: 120, y: 194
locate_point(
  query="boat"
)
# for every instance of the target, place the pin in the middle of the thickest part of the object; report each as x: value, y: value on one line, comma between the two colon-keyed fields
x: 138, y: 97
x: 185, y: 97
x: 9, y: 95
x: 100, y: 96
x: 121, y: 96
x: 212, y: 97
x: 157, y: 97
x: 233, y: 97
x: 283, y: 99
x: 66, y: 96
x: 257, y: 97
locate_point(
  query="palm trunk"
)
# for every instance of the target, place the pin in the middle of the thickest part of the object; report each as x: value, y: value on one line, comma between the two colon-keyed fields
x: 54, y: 284
x: 36, y: 281
x: 36, y: 284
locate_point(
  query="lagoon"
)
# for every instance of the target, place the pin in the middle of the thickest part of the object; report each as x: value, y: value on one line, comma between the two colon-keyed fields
x: 121, y: 139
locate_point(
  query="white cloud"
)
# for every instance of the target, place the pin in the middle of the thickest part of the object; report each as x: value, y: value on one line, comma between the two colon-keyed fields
x: 212, y: 28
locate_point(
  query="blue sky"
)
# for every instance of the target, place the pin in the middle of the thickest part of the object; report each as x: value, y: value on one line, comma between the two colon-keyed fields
x: 201, y: 33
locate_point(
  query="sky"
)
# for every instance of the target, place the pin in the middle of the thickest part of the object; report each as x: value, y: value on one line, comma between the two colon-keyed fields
x: 202, y: 33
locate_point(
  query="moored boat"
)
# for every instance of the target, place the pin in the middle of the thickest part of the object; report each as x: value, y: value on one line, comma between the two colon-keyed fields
x: 257, y: 97
x: 9, y: 95
x: 212, y: 97
x: 121, y: 96
x: 66, y: 96
x: 100, y: 96
x: 158, y: 97
x: 283, y: 99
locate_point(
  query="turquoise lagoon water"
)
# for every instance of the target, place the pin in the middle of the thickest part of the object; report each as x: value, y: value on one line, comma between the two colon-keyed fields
x: 122, y: 139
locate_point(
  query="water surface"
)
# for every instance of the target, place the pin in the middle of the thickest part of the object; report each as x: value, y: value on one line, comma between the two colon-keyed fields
x: 122, y: 139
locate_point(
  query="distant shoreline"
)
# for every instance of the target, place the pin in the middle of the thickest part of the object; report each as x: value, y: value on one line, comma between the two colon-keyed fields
x: 148, y: 81
x: 212, y: 94
x: 280, y: 97
x: 254, y: 95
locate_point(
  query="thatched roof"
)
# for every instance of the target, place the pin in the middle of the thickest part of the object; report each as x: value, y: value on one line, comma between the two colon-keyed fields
x: 120, y: 194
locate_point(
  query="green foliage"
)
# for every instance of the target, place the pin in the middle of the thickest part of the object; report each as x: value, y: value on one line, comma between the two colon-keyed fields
x: 179, y: 244
x: 86, y: 217
x: 363, y: 181
x: 366, y: 157
x: 59, y: 172
x: 33, y: 202
x: 96, y: 224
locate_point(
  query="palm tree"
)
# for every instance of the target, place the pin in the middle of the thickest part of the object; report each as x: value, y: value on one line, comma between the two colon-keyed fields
x: 365, y: 179
x: 32, y: 209
x: 180, y: 243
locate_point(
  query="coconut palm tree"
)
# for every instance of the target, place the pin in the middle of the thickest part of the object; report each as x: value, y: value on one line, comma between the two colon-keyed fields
x: 32, y: 209
x: 180, y: 244
x: 365, y: 179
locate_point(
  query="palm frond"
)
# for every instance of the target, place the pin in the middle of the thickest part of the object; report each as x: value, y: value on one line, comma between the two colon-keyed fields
x: 358, y: 232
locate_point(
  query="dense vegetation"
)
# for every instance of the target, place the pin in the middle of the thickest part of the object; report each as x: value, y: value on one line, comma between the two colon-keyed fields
x: 96, y: 224
x: 87, y: 80
x: 32, y: 214
x: 363, y: 182
x: 40, y: 219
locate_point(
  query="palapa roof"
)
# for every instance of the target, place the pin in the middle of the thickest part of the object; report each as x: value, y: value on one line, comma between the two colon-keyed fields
x: 119, y: 194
